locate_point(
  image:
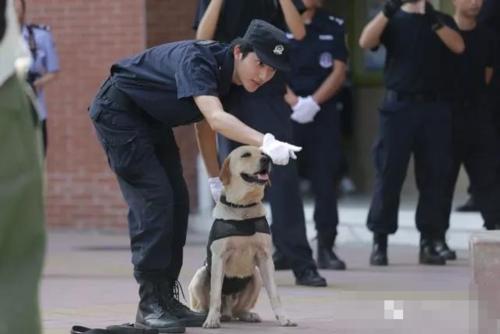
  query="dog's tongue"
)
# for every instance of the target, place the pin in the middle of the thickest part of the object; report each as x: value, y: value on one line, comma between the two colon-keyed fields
x: 263, y: 177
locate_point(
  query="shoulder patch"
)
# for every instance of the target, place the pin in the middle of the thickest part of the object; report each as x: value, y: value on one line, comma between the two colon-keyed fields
x: 39, y: 26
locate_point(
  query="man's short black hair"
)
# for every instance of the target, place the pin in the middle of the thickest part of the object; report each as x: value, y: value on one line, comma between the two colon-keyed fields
x: 245, y: 47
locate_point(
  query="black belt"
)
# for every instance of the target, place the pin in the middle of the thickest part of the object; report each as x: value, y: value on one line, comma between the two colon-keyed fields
x: 394, y: 96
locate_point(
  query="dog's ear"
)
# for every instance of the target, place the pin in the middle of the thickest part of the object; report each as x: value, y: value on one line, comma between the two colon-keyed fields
x: 225, y: 173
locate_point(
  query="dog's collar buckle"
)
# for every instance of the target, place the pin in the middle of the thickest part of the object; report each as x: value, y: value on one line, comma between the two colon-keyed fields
x: 224, y: 201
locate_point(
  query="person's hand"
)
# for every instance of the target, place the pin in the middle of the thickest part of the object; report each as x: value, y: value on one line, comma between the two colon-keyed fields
x: 216, y: 187
x: 432, y: 17
x: 305, y: 110
x: 279, y: 152
x: 391, y: 7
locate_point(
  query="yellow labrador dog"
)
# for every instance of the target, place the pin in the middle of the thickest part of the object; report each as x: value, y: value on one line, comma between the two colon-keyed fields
x: 239, y: 259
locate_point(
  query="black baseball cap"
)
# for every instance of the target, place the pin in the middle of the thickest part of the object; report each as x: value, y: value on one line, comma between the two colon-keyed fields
x: 269, y: 43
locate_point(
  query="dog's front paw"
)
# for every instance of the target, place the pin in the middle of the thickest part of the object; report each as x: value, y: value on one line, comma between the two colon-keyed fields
x: 284, y: 321
x: 212, y: 322
x: 249, y: 317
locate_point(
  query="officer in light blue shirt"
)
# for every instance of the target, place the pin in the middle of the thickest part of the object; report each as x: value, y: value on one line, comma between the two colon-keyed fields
x: 45, y: 63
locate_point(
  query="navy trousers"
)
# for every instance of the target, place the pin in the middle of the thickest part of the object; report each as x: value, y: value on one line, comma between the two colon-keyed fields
x: 320, y: 162
x: 145, y: 158
x: 424, y: 130
x: 475, y: 145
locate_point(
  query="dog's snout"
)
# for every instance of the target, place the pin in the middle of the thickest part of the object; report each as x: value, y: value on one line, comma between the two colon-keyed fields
x: 265, y: 159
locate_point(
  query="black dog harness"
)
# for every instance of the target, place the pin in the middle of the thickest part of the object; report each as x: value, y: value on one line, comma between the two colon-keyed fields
x: 227, y: 228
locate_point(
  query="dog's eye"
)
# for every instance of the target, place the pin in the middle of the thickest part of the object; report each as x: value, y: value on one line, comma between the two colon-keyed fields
x: 246, y: 155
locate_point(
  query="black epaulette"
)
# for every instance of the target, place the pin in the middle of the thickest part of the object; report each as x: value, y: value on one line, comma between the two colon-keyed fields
x: 39, y: 26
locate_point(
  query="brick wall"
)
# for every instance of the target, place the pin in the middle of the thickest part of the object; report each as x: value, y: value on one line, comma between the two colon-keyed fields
x: 90, y: 35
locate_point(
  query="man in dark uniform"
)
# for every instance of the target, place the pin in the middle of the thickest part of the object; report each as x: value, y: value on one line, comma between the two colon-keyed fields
x: 474, y: 137
x: 222, y: 20
x: 490, y: 18
x: 318, y: 72
x: 134, y: 112
x: 413, y: 119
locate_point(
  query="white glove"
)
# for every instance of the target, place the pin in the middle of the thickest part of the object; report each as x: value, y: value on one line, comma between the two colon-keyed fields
x: 216, y: 186
x: 279, y: 152
x: 305, y: 110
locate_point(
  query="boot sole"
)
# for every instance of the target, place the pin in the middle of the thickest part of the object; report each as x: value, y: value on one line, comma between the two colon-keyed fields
x: 192, y: 323
x: 162, y: 330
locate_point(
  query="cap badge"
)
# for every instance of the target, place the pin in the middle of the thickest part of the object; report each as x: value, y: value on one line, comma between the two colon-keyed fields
x: 279, y: 49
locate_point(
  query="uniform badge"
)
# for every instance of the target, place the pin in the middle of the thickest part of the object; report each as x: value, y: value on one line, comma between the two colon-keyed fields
x: 326, y: 60
x: 279, y: 49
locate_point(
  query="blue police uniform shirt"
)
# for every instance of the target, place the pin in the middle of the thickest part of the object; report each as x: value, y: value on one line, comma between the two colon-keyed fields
x: 415, y: 54
x: 312, y: 59
x: 163, y: 80
x: 45, y: 59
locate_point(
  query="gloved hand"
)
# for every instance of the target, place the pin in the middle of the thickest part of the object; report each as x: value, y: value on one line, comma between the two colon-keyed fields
x: 305, y: 110
x: 279, y: 152
x: 432, y: 17
x: 391, y: 7
x: 216, y: 186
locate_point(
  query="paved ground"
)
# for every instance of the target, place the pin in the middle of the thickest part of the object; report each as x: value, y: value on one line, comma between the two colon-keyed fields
x: 87, y: 280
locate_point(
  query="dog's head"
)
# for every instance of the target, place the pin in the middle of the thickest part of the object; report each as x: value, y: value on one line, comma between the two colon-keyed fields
x: 245, y: 173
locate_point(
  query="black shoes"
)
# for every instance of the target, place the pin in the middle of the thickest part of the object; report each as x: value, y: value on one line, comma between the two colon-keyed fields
x: 428, y: 253
x: 442, y: 249
x: 327, y: 259
x: 468, y: 206
x: 280, y: 262
x: 378, y: 256
x: 310, y: 277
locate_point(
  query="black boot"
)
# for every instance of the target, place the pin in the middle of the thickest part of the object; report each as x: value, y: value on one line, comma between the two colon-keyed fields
x: 378, y: 256
x: 428, y: 254
x: 468, y: 206
x: 280, y: 261
x: 186, y: 316
x: 309, y: 277
x: 327, y: 259
x: 152, y: 313
x: 442, y: 249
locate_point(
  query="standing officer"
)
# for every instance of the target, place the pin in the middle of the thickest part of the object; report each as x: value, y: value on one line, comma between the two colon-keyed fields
x: 22, y: 229
x: 134, y: 112
x: 475, y: 143
x: 224, y: 20
x: 45, y: 63
x: 413, y: 119
x: 318, y: 72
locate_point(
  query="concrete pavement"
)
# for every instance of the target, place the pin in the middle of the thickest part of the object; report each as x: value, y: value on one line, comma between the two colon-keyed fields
x: 88, y: 281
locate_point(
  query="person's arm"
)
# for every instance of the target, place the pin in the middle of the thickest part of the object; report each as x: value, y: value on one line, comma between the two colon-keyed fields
x: 52, y: 61
x: 225, y: 123
x: 451, y: 38
x: 208, y: 24
x: 293, y: 19
x: 331, y: 84
x: 489, y: 74
x: 45, y: 79
x: 207, y: 144
x: 372, y: 33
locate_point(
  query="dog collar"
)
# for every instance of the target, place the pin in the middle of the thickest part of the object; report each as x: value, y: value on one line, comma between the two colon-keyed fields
x: 224, y: 201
